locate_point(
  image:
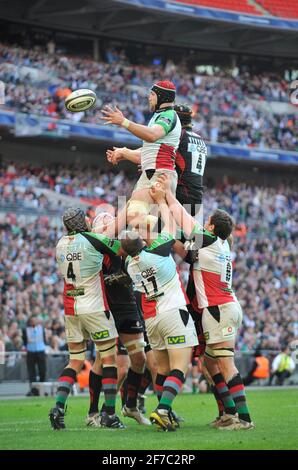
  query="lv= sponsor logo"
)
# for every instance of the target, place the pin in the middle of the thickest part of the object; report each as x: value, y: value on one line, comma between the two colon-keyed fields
x: 176, y: 339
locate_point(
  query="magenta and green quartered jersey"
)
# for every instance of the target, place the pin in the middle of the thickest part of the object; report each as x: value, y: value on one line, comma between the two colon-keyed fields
x: 160, y: 155
x: 80, y: 258
x: 213, y: 270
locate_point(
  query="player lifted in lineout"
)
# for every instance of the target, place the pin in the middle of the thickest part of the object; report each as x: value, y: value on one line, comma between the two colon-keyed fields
x: 190, y: 161
x: 157, y: 154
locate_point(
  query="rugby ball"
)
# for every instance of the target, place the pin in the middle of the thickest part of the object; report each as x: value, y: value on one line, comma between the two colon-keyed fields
x: 80, y: 100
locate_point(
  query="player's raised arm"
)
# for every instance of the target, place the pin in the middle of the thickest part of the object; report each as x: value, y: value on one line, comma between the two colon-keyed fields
x: 148, y: 134
x: 109, y: 225
x: 181, y: 216
x: 119, y: 154
x: 159, y: 196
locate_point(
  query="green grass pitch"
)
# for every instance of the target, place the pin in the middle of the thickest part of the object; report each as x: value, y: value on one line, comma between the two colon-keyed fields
x: 24, y: 425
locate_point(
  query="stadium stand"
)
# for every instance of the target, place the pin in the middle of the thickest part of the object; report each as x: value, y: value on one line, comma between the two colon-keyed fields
x: 228, y: 106
x: 265, y: 275
x: 242, y: 6
x: 238, y: 106
x: 280, y: 8
x: 24, y: 185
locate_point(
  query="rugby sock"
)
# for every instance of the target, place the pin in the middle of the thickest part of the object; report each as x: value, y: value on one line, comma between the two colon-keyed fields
x: 195, y: 384
x: 160, y: 379
x: 94, y: 391
x: 66, y: 381
x: 219, y: 402
x: 145, y: 382
x: 123, y: 392
x: 133, y: 385
x: 171, y: 388
x: 224, y: 393
x: 109, y: 387
x: 237, y: 391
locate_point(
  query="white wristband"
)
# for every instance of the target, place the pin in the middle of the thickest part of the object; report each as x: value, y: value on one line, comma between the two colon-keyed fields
x: 125, y: 123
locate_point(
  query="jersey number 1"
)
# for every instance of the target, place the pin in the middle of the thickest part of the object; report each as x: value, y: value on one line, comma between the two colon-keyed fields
x: 153, y: 280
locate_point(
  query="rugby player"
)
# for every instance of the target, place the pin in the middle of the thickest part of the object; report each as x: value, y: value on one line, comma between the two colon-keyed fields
x: 157, y: 154
x: 190, y: 162
x: 123, y: 306
x: 169, y: 325
x: 222, y: 313
x: 80, y: 256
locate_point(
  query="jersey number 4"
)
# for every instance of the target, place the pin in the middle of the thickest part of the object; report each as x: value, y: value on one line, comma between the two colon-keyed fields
x: 70, y: 272
x: 198, y: 159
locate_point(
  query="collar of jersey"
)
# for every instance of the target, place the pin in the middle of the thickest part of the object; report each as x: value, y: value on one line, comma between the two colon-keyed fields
x: 163, y: 109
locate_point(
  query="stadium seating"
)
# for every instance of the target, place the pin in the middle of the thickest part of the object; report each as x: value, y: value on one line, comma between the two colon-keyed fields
x: 281, y: 8
x: 227, y: 107
x: 265, y: 276
x: 233, y: 5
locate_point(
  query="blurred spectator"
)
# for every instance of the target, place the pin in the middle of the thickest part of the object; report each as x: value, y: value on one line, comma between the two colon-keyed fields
x: 260, y: 369
x: 34, y: 342
x: 264, y: 254
x: 227, y: 105
x: 283, y: 366
x: 21, y: 185
x: 83, y: 376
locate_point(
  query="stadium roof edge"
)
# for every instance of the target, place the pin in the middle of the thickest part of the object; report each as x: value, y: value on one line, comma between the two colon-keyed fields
x: 215, y: 14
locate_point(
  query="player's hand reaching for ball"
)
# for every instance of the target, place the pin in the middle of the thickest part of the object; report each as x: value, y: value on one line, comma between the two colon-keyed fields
x: 157, y: 193
x: 112, y: 116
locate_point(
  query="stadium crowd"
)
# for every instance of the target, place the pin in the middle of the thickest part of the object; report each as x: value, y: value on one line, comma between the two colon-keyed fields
x: 227, y: 104
x: 19, y: 182
x: 265, y: 271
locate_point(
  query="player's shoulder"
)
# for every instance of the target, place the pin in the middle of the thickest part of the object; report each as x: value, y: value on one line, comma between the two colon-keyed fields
x: 162, y: 238
x: 191, y: 133
x: 66, y: 239
x: 166, y: 111
x: 203, y: 238
x: 169, y: 114
x: 110, y: 242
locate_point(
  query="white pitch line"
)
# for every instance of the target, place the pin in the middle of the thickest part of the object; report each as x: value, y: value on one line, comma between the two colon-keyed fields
x: 17, y: 423
x: 16, y: 430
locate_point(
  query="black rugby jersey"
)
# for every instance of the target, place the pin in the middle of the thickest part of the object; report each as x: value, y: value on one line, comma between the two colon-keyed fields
x: 190, y: 162
x: 118, y: 285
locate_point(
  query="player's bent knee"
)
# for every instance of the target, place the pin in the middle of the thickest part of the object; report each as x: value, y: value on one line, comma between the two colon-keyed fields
x: 218, y: 353
x: 78, y: 355
x: 107, y: 352
x: 135, y: 346
x: 222, y: 353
